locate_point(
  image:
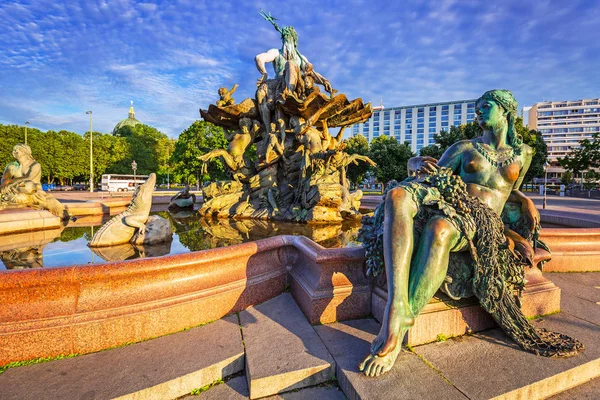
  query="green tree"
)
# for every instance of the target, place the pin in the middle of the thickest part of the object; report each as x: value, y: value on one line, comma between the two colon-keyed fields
x: 586, y: 156
x: 445, y: 139
x: 391, y: 158
x: 357, y: 145
x: 144, y: 144
x: 198, y: 139
x: 108, y: 151
x: 566, y: 178
x: 531, y: 137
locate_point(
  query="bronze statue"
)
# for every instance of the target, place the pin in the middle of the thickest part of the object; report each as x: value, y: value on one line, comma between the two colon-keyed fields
x: 239, y: 141
x: 225, y: 98
x: 289, y: 121
x: 21, y: 185
x: 453, y: 206
x: 183, y: 199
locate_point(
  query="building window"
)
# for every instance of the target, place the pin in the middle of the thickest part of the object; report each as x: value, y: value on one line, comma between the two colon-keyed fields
x: 445, y: 108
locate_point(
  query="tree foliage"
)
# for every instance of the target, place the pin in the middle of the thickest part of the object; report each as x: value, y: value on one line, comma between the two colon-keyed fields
x: 65, y: 156
x: 531, y: 137
x: 586, y: 156
x: 391, y: 158
x: 200, y: 138
x: 357, y: 145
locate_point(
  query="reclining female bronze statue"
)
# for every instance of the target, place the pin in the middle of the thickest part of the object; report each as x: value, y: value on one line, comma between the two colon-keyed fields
x: 454, y: 206
x: 21, y: 185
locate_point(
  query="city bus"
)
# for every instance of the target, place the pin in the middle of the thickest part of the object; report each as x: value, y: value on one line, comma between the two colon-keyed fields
x: 121, y: 183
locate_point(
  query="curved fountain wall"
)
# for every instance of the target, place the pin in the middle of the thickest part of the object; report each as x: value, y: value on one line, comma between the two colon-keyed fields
x: 82, y: 309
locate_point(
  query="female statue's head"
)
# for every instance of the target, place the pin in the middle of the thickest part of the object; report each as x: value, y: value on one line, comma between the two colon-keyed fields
x: 496, y: 108
x: 22, y: 149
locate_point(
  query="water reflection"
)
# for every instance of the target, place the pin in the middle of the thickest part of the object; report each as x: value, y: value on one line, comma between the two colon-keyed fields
x: 129, y: 251
x: 68, y: 246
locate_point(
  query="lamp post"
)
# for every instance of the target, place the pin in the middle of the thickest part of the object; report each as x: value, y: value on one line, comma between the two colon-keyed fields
x: 546, y: 165
x: 134, y: 167
x: 91, y: 154
x: 168, y: 155
x: 26, y: 123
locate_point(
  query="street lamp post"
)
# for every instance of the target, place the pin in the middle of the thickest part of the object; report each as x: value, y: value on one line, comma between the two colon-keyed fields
x: 91, y: 155
x: 168, y: 155
x: 134, y: 167
x: 26, y: 123
x: 546, y: 165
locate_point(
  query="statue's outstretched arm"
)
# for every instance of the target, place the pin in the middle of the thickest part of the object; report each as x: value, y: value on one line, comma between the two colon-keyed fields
x: 233, y: 89
x: 320, y: 79
x: 354, y: 158
x: 340, y: 134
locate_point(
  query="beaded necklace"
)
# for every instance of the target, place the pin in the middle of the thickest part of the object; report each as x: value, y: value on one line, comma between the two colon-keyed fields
x: 497, y: 159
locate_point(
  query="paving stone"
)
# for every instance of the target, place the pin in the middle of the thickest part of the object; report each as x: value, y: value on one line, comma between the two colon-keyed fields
x: 587, y: 391
x: 489, y: 364
x: 237, y: 389
x: 233, y: 389
x: 283, y: 352
x: 583, y: 309
x: 162, y: 368
x: 312, y: 393
x: 410, y: 378
x: 578, y: 285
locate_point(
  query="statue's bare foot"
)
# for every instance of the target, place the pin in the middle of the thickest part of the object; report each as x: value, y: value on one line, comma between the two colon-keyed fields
x: 375, y: 365
x: 393, y: 323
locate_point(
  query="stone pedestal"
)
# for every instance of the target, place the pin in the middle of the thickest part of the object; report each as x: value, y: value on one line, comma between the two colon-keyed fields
x: 446, y: 317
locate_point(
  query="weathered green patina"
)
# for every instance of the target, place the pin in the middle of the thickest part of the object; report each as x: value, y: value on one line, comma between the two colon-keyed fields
x: 442, y: 228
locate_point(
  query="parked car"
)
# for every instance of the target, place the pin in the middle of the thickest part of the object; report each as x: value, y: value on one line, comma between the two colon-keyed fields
x: 64, y: 188
x: 80, y: 186
x: 48, y: 187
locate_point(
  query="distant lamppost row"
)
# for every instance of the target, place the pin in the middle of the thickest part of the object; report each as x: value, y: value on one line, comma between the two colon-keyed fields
x: 26, y: 123
x: 134, y: 167
x: 91, y: 155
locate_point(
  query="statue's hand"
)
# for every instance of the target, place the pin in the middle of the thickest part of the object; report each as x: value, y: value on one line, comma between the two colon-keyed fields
x: 262, y: 79
x: 426, y: 165
x: 531, y: 213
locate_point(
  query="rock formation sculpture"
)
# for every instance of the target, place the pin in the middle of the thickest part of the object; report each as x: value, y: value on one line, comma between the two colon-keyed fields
x: 299, y: 173
x: 133, y: 225
x: 21, y: 185
x: 183, y: 199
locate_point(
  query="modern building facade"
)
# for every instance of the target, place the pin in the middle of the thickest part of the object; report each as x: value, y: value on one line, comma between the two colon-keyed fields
x: 563, y: 124
x: 415, y: 124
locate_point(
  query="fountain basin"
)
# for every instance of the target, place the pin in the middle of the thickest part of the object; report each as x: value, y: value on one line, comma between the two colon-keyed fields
x: 82, y: 309
x: 86, y: 308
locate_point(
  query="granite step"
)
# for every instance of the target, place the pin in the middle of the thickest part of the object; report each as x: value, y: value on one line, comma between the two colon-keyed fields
x: 164, y: 368
x: 237, y: 389
x: 485, y: 365
x: 283, y: 351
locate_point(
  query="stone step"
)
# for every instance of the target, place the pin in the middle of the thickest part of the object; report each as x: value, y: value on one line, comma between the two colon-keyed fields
x: 164, y: 368
x: 410, y: 378
x: 237, y: 389
x: 485, y: 365
x: 283, y: 351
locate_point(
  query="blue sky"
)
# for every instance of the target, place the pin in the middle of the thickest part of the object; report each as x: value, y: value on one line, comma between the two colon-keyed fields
x: 59, y: 59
